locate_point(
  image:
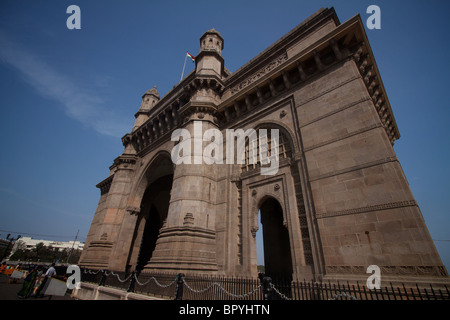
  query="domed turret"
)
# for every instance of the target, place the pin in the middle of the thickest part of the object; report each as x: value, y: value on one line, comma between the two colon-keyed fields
x: 211, y: 40
x: 209, y: 61
x: 149, y: 99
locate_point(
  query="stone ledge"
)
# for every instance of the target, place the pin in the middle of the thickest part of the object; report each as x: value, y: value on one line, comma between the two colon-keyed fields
x: 384, y: 206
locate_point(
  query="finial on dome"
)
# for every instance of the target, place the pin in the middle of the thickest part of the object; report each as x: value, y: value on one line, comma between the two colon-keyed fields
x: 153, y: 91
x: 211, y: 40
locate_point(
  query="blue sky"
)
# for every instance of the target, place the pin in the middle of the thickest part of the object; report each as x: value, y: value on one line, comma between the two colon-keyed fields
x: 68, y: 96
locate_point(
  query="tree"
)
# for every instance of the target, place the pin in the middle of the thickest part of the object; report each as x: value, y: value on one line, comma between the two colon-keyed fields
x: 37, y: 250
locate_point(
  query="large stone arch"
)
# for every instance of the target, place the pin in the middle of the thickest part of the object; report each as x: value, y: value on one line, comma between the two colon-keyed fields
x: 159, y: 165
x: 149, y: 201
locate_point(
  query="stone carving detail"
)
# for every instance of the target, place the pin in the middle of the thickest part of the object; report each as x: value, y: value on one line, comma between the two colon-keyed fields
x: 376, y: 91
x: 133, y: 210
x: 254, y: 230
x: 384, y: 206
x: 105, y: 185
x: 188, y: 220
x: 124, y: 161
x: 261, y: 72
x: 354, y: 168
x: 297, y: 156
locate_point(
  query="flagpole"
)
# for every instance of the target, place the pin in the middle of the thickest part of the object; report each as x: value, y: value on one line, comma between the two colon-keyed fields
x: 182, y: 73
x: 71, y: 250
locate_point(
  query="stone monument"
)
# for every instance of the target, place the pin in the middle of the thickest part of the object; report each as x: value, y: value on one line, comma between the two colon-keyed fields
x: 338, y: 202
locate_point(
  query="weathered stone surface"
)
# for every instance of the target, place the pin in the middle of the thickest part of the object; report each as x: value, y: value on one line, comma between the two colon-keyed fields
x: 339, y: 200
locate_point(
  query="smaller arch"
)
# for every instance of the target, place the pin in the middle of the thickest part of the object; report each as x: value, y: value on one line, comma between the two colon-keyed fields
x: 266, y: 196
x: 277, y: 247
x: 259, y: 201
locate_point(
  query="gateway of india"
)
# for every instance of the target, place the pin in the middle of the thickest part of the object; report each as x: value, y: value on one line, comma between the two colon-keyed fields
x: 338, y: 203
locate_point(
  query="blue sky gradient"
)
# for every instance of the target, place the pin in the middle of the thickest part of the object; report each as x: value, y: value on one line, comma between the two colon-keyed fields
x: 68, y: 96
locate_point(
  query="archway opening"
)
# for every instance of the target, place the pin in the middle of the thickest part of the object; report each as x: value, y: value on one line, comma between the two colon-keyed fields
x: 260, y: 246
x: 154, y: 210
x: 277, y: 249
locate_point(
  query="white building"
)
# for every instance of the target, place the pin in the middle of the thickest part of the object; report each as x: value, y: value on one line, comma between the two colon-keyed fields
x: 31, y: 243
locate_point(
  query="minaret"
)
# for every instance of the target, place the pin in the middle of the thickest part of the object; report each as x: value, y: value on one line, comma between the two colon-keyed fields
x: 149, y: 99
x: 209, y: 60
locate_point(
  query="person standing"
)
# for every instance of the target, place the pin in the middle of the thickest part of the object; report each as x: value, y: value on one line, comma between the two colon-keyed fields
x: 50, y: 273
x: 28, y: 283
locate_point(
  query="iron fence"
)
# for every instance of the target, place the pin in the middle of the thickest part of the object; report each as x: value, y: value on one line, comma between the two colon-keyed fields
x: 206, y: 287
x: 198, y: 287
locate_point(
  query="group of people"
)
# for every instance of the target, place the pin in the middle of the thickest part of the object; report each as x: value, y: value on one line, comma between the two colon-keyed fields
x: 35, y: 281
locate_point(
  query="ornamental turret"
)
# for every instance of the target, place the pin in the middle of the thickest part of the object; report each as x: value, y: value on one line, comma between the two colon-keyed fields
x: 209, y: 61
x: 149, y: 99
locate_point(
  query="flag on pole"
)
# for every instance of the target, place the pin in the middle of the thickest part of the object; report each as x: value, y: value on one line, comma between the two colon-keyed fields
x: 184, y: 66
x: 191, y: 56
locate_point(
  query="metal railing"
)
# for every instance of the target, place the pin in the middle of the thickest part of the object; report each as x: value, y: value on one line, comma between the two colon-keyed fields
x: 206, y: 287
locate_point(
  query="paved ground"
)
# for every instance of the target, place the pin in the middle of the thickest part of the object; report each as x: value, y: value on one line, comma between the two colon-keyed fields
x: 8, y: 291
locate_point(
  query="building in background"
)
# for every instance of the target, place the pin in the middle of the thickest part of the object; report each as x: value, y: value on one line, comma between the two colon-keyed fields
x: 29, y: 243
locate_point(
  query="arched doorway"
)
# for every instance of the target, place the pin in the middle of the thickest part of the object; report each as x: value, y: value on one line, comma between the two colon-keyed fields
x: 154, y: 209
x: 152, y: 197
x: 277, y: 249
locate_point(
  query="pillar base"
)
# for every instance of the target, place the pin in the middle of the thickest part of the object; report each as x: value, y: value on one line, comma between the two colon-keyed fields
x: 184, y: 249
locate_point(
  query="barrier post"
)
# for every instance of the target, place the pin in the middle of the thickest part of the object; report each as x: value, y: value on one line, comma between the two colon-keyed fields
x: 179, y: 290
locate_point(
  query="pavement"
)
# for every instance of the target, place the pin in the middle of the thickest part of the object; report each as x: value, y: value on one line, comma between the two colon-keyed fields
x: 8, y: 291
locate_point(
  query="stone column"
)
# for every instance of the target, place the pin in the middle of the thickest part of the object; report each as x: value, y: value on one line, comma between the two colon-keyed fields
x: 187, y: 242
x: 110, y: 219
x: 117, y: 217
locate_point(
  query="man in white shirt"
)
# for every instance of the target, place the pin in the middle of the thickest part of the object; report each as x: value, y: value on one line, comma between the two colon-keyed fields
x: 51, y: 271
